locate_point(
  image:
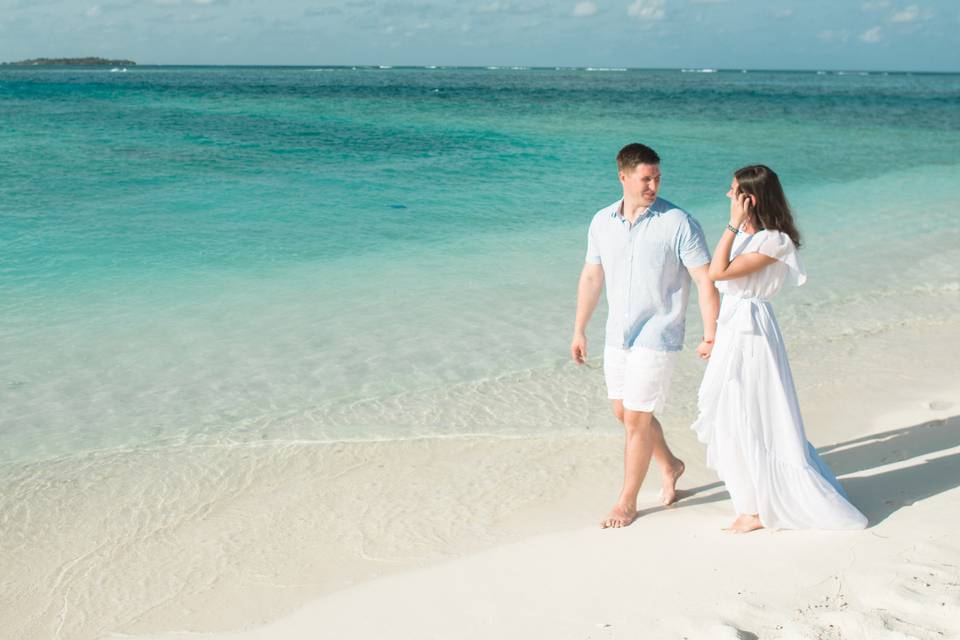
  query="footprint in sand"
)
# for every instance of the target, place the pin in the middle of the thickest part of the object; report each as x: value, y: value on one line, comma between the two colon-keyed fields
x: 939, y: 405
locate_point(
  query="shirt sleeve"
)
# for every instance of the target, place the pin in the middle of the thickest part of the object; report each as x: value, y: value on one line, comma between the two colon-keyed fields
x: 593, y: 249
x: 693, y: 244
x: 779, y: 246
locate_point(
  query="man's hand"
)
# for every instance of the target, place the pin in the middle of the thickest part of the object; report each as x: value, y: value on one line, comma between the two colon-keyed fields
x: 588, y: 293
x: 704, y: 349
x: 578, y: 348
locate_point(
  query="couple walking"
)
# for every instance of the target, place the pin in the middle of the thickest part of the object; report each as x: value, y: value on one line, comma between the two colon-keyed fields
x: 647, y: 251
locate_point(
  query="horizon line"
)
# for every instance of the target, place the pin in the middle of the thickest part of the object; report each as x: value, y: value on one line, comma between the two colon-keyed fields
x: 510, y: 67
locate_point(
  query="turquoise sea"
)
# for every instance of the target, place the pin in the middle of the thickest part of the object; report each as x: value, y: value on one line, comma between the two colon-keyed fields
x: 208, y: 254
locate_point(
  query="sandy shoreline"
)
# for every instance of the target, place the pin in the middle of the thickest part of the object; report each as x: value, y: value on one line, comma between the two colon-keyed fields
x: 675, y: 574
x: 493, y: 537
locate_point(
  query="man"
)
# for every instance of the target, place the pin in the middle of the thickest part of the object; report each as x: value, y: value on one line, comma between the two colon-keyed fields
x: 647, y: 250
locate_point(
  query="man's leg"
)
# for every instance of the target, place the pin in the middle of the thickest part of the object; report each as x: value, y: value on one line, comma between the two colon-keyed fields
x: 643, y: 440
x: 671, y: 467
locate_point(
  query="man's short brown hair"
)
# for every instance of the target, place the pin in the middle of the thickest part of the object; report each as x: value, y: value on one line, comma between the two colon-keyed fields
x: 635, y: 153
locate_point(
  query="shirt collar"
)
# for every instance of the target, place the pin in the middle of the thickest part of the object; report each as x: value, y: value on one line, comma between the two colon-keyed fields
x: 617, y: 210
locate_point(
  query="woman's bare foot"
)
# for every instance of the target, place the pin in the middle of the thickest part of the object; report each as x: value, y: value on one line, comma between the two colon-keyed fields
x: 745, y: 524
x: 668, y: 494
x: 619, y: 517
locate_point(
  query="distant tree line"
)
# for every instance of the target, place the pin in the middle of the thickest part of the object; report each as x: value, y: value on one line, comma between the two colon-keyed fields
x: 89, y: 61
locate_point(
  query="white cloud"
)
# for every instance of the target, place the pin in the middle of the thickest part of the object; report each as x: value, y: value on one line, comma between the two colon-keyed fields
x: 783, y: 13
x: 871, y: 36
x: 909, y: 14
x: 647, y: 9
x: 584, y: 9
x: 840, y: 35
x: 875, y: 5
x: 93, y: 11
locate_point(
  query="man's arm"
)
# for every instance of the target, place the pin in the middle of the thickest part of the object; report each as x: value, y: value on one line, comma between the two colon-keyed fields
x: 588, y: 294
x: 709, y: 299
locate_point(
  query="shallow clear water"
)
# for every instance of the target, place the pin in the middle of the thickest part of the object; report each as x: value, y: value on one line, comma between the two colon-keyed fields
x: 194, y: 254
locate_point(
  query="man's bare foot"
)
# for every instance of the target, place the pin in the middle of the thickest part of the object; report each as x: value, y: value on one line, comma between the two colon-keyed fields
x: 668, y: 494
x: 745, y: 524
x: 619, y: 517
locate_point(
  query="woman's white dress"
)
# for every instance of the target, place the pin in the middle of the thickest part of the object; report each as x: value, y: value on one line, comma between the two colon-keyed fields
x: 749, y: 415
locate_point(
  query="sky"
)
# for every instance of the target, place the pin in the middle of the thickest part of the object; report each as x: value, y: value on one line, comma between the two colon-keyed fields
x: 892, y: 35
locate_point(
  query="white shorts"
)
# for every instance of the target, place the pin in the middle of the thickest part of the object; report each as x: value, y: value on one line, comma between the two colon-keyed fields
x: 638, y: 376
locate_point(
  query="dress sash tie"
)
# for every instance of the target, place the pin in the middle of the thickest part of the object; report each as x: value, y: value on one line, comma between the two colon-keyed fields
x: 741, y: 313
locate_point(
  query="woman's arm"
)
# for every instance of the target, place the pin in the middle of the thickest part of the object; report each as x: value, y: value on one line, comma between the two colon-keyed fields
x: 721, y: 268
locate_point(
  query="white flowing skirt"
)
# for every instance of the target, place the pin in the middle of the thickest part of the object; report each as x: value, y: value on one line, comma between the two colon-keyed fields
x: 750, y: 421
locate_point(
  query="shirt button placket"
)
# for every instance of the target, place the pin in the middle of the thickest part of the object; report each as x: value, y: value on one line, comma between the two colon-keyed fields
x: 626, y: 294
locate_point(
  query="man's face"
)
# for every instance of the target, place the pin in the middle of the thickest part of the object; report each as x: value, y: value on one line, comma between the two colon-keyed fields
x: 641, y: 183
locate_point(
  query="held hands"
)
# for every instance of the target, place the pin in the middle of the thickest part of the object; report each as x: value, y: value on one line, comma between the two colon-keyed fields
x: 704, y: 349
x: 578, y: 348
x: 740, y: 206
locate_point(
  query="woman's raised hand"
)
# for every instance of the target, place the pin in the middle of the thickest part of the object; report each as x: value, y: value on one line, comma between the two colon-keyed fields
x: 740, y: 206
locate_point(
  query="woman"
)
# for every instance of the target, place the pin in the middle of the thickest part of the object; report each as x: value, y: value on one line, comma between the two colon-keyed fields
x: 749, y: 415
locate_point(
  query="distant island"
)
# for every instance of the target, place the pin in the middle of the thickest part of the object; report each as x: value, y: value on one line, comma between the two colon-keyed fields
x: 74, y: 62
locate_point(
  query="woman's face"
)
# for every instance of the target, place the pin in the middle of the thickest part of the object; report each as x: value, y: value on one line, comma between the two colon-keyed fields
x: 734, y: 194
x: 734, y: 189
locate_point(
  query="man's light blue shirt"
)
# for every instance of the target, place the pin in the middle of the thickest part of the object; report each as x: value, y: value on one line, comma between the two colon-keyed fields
x: 645, y: 269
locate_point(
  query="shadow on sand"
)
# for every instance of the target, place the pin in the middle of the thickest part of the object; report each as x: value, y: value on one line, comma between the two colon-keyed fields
x: 880, y: 494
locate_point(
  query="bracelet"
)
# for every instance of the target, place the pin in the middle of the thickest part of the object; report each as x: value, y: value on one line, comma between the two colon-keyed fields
x: 733, y: 228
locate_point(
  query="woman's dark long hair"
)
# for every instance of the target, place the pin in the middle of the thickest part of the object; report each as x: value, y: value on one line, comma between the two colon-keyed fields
x: 772, y: 210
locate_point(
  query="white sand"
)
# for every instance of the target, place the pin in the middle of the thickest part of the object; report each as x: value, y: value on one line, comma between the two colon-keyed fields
x: 497, y: 538
x: 674, y: 573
